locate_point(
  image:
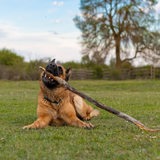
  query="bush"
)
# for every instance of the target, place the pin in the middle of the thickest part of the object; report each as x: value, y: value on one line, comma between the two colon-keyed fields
x: 115, y: 74
x: 32, y: 69
x: 9, y: 58
x: 98, y: 72
x: 13, y: 67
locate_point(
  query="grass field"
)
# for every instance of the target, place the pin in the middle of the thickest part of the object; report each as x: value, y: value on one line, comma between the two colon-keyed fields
x: 111, y: 139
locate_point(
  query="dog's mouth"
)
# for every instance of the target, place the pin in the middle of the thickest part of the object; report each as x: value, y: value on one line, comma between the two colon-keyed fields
x: 49, y: 81
x: 54, y: 70
x: 48, y: 77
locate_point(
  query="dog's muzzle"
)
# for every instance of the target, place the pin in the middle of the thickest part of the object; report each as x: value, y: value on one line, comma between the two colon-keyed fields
x: 54, y: 70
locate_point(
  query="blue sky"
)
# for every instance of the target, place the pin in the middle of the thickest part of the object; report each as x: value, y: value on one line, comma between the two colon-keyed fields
x: 40, y: 15
x: 41, y: 28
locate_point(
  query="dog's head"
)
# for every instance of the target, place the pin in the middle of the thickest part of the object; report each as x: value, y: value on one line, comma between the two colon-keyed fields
x: 56, y: 70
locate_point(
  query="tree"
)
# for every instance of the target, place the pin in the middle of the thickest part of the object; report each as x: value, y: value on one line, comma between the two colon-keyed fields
x: 10, y: 58
x: 124, y: 27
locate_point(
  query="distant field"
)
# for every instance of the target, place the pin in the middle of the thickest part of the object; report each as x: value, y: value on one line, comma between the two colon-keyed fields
x: 111, y: 139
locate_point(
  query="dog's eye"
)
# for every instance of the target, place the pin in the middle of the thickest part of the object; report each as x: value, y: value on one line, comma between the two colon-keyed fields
x: 60, y: 70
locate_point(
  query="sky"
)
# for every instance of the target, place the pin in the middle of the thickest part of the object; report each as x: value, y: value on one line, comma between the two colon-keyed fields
x: 38, y: 29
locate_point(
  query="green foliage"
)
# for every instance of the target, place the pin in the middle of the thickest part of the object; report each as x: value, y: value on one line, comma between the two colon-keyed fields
x: 32, y: 69
x: 127, y: 65
x: 98, y: 72
x: 72, y: 64
x: 115, y: 74
x: 10, y: 58
x: 13, y: 67
x: 89, y: 66
x: 111, y: 139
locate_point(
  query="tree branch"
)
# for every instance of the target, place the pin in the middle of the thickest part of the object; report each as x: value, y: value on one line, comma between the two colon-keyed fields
x: 104, y: 107
x: 130, y: 59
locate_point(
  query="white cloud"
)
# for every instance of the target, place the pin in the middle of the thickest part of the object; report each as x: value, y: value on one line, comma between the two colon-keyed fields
x: 58, y: 3
x: 6, y: 29
x: 36, y: 45
x: 57, y: 21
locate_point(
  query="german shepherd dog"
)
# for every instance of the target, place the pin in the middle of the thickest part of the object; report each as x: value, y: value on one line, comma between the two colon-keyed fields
x: 58, y: 106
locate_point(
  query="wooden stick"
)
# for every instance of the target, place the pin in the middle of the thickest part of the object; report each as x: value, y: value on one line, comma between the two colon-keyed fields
x: 102, y: 106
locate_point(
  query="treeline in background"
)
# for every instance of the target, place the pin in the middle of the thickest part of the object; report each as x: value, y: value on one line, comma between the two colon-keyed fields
x: 13, y: 67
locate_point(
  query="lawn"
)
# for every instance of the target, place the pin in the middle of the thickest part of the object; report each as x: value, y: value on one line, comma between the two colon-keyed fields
x: 112, y: 138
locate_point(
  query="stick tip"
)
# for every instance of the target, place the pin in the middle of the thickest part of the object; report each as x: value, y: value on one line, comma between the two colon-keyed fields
x: 41, y: 68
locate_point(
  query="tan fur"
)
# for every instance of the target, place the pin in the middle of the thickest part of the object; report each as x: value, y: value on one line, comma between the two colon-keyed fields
x: 70, y: 110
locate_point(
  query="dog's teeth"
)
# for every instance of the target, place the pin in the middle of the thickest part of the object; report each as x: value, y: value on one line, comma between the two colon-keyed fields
x: 49, y: 77
x: 45, y: 75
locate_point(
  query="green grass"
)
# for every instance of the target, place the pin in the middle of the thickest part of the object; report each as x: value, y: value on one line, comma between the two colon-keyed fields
x: 111, y: 139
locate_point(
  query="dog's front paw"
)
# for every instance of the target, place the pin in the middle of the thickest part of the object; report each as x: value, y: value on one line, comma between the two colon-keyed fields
x: 34, y: 125
x: 88, y: 125
x: 29, y: 126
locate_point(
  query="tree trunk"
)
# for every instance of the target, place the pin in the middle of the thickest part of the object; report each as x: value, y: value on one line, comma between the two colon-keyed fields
x: 118, y: 57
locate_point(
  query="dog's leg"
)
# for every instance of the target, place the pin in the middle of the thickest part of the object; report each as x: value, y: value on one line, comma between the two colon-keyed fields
x: 83, y: 109
x: 68, y: 114
x: 41, y: 122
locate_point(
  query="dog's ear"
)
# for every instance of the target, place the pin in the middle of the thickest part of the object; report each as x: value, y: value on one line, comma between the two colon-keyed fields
x: 53, y: 61
x: 68, y: 74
